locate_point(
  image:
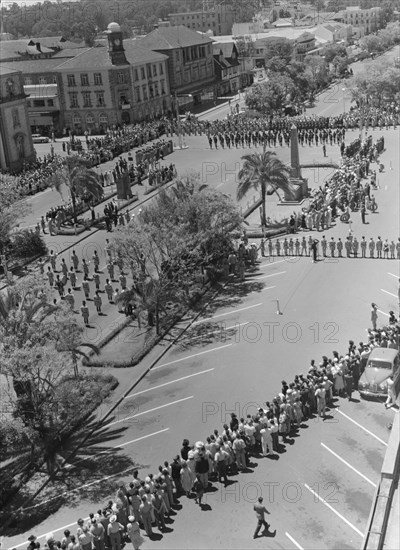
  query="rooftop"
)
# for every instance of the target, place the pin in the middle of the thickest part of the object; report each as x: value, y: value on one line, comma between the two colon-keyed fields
x: 33, y: 66
x: 4, y: 70
x: 168, y: 38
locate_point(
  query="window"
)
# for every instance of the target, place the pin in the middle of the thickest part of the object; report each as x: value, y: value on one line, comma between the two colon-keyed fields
x: 98, y: 80
x: 154, y: 70
x: 76, y: 119
x: 42, y: 80
x: 137, y: 94
x: 90, y: 120
x: 144, y: 89
x: 121, y: 78
x: 100, y: 101
x: 151, y: 91
x: 156, y: 89
x: 135, y: 74
x: 161, y: 69
x: 27, y: 80
x: 162, y: 83
x: 142, y: 73
x: 71, y: 80
x: 103, y: 119
x: 123, y: 100
x: 87, y: 101
x: 50, y: 102
x: 73, y: 98
x: 84, y: 79
x: 148, y: 67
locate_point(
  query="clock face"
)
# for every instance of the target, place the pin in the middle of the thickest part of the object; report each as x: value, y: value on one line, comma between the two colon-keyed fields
x: 117, y: 41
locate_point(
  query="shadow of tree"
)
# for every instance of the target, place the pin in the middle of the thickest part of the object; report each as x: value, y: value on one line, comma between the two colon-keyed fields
x: 91, y: 470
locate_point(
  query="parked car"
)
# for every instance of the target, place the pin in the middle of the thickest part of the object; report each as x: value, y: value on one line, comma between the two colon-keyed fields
x: 38, y: 138
x: 381, y: 363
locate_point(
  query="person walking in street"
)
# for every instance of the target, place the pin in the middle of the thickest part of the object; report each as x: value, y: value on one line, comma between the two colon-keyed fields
x: 362, y: 211
x: 52, y: 260
x: 260, y: 511
x: 198, y: 488
x: 96, y: 280
x: 109, y: 291
x: 69, y: 297
x: 96, y: 261
x: 86, y: 287
x: 50, y: 276
x: 72, y: 277
x: 85, y: 268
x: 374, y: 315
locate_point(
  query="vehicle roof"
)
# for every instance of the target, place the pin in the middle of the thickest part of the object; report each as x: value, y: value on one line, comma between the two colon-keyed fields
x: 383, y: 354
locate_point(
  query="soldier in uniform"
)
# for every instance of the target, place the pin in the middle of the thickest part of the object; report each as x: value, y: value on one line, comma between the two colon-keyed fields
x: 355, y: 247
x: 379, y: 246
x: 347, y: 245
x: 339, y: 247
x: 332, y: 246
x: 303, y: 246
x: 363, y: 245
x: 323, y: 245
x: 371, y: 246
x: 297, y: 247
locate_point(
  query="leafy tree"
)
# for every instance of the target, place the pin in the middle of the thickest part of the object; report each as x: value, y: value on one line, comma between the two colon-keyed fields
x: 262, y: 171
x: 12, y: 208
x: 371, y: 43
x: 245, y: 46
x: 278, y: 47
x: 331, y: 51
x: 81, y: 181
x: 316, y: 69
x: 69, y: 339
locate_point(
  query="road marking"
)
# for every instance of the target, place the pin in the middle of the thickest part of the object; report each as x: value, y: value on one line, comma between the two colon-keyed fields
x: 227, y: 313
x: 349, y: 465
x: 362, y: 427
x: 167, y: 383
x: 271, y: 275
x: 294, y: 542
x: 191, y: 356
x: 267, y: 288
x: 383, y: 313
x: 147, y: 412
x: 393, y: 275
x: 97, y: 480
x: 390, y: 293
x: 261, y: 266
x: 221, y: 328
x: 334, y: 511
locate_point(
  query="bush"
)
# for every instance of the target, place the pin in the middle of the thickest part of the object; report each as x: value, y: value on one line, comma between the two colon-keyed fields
x: 27, y: 243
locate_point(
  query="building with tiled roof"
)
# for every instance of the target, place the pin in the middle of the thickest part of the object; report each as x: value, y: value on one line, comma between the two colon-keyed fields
x: 16, y: 145
x: 102, y: 87
x: 19, y: 50
x: 227, y: 68
x: 219, y: 19
x: 190, y: 60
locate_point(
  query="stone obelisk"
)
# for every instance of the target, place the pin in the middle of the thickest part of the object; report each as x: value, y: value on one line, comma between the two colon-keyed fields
x: 295, y: 170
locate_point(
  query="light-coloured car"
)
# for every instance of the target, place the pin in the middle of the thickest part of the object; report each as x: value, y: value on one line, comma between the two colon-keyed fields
x: 37, y: 138
x: 381, y: 363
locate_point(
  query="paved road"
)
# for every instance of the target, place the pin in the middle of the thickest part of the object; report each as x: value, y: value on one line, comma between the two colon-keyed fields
x: 324, y: 481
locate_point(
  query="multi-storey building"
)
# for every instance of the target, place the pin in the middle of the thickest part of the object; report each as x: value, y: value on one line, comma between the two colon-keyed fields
x: 190, y: 59
x: 103, y: 87
x: 16, y: 145
x: 218, y: 18
x: 363, y: 21
x: 227, y: 68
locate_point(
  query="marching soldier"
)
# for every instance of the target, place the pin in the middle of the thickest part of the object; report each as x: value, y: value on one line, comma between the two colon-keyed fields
x: 303, y: 246
x: 278, y: 247
x: 323, y: 245
x: 348, y: 247
x: 355, y: 247
x: 339, y: 247
x: 379, y: 246
x: 297, y: 247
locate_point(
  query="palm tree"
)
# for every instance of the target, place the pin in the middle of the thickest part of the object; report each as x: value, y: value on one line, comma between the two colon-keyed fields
x: 70, y: 341
x: 262, y: 172
x: 80, y: 180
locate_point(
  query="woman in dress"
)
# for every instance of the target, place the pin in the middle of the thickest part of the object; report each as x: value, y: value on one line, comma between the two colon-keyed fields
x: 133, y: 532
x: 186, y: 478
x: 283, y: 427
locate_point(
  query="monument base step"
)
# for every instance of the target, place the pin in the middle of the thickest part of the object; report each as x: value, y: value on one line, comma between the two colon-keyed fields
x: 291, y: 203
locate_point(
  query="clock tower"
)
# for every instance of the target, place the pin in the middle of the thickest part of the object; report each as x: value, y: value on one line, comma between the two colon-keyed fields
x: 115, y: 45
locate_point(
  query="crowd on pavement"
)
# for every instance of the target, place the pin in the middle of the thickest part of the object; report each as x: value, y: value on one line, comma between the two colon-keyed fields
x: 149, y: 499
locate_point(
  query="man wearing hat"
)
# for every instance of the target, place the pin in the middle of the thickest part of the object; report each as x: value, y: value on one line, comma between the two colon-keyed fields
x: 97, y: 532
x: 260, y: 511
x: 374, y: 315
x: 32, y: 542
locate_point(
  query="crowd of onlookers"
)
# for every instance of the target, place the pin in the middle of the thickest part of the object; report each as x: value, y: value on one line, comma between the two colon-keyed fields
x: 149, y: 499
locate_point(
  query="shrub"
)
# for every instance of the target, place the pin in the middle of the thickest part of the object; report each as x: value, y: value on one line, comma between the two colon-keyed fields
x: 27, y: 243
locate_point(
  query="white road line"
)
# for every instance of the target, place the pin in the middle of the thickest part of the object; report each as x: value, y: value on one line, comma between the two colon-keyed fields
x: 226, y: 313
x: 96, y: 481
x: 191, y: 356
x: 271, y: 275
x: 390, y: 293
x: 268, y: 264
x: 349, y: 465
x: 147, y: 412
x: 267, y: 288
x: 393, y: 275
x: 362, y: 427
x: 383, y: 313
x: 167, y: 383
x: 221, y: 328
x: 334, y: 511
x: 294, y: 542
